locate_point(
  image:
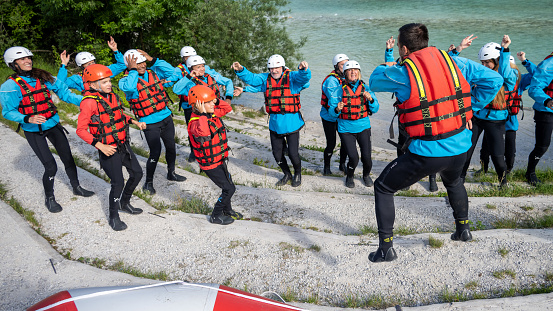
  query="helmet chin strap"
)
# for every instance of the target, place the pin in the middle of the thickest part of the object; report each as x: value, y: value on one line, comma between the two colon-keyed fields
x: 18, y: 71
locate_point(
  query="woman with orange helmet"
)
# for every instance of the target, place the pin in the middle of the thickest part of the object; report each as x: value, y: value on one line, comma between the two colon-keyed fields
x: 103, y: 124
x: 208, y: 137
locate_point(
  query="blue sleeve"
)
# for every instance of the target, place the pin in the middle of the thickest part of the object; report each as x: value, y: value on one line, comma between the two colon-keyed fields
x: 251, y: 89
x: 485, y: 82
x: 541, y: 79
x: 393, y: 79
x: 229, y: 87
x: 163, y: 69
x: 64, y: 93
x: 300, y: 80
x: 509, y: 74
x: 531, y: 67
x: 525, y: 80
x: 119, y: 65
x: 10, y: 97
x: 333, y: 100
x: 128, y: 85
x: 453, y: 52
x: 330, y: 85
x: 256, y: 80
x: 75, y: 82
x: 62, y: 73
x: 180, y: 88
x: 389, y: 56
x: 176, y: 76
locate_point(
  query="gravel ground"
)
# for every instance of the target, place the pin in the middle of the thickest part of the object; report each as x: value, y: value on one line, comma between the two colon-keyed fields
x: 305, y: 241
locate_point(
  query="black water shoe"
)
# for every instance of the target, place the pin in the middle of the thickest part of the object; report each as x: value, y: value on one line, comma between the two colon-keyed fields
x: 532, y: 179
x: 296, y: 182
x: 284, y: 180
x: 149, y: 187
x: 116, y: 224
x: 80, y: 191
x: 233, y: 214
x: 349, y: 182
x: 52, y: 205
x: 128, y: 208
x: 221, y: 220
x: 175, y: 177
x: 463, y: 236
x: 433, y: 187
x: 326, y: 171
x: 379, y: 255
x: 368, y: 181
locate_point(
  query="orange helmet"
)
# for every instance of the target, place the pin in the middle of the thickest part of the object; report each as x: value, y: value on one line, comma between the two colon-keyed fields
x: 200, y: 93
x: 96, y: 72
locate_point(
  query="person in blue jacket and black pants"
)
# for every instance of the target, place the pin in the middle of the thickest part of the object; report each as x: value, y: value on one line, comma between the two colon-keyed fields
x: 541, y: 91
x: 281, y: 88
x: 437, y: 145
x: 25, y: 99
x: 143, y: 88
x: 352, y: 104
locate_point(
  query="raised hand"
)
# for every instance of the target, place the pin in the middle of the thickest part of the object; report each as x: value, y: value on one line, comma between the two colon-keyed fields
x: 112, y: 44
x: 64, y: 58
x: 390, y: 43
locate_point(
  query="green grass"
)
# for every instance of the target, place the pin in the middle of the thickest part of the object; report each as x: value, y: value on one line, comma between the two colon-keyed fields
x: 528, y: 222
x: 314, y: 248
x: 503, y: 251
x: 447, y: 296
x: 252, y: 114
x: 526, y: 208
x: 435, y: 243
x: 192, y: 206
x: 25, y: 213
x: 365, y: 230
x: 501, y: 274
x: 491, y: 206
x: 122, y: 267
x: 96, y: 262
x: 472, y: 285
x: 313, y: 147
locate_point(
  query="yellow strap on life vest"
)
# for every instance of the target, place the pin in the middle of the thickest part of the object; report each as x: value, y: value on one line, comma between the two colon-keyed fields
x: 452, y: 68
x: 416, y: 73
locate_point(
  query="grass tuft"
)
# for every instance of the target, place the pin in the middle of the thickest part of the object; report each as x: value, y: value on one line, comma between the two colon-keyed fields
x: 435, y: 243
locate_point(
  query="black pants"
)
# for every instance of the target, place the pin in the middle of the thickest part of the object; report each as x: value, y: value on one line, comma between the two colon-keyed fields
x: 39, y: 145
x: 407, y: 170
x: 155, y: 133
x: 364, y: 140
x: 544, y: 128
x: 401, y: 140
x: 221, y: 177
x: 495, y: 131
x: 187, y: 116
x: 330, y: 129
x: 113, y: 166
x: 510, y: 149
x: 278, y: 142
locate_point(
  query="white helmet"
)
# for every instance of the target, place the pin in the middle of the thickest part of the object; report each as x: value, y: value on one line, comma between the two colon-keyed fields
x: 512, y: 59
x: 489, y: 51
x: 338, y: 58
x: 15, y: 52
x: 351, y: 64
x: 187, y: 51
x: 194, y: 60
x: 83, y: 58
x: 275, y: 61
x: 139, y: 57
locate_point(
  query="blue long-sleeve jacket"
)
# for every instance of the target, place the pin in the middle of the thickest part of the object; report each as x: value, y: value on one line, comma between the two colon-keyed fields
x: 351, y: 126
x: 329, y: 86
x: 183, y: 86
x: 129, y: 86
x: 395, y: 79
x: 525, y: 79
x: 75, y: 82
x: 10, y: 97
x: 541, y: 79
x: 510, y: 77
x: 279, y: 123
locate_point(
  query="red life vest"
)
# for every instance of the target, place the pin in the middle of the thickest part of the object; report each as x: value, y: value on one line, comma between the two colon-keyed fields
x: 439, y: 104
x: 151, y: 98
x: 36, y: 100
x: 110, y: 125
x: 356, y: 105
x: 86, y: 86
x: 513, y: 100
x: 215, y: 150
x: 211, y: 83
x: 183, y: 98
x: 324, y: 98
x: 549, y: 89
x: 279, y: 98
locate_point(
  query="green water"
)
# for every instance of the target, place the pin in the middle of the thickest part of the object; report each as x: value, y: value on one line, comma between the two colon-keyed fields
x: 361, y: 28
